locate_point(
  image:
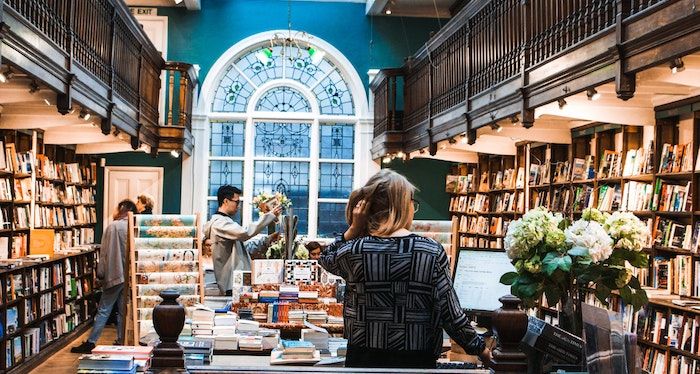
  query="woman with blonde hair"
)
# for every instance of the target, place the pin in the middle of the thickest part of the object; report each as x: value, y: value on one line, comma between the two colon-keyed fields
x: 399, y: 293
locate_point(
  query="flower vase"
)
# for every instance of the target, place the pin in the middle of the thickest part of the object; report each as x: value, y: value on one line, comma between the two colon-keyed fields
x: 570, y: 316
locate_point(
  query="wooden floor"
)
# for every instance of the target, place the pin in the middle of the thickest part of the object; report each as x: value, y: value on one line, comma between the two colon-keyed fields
x: 64, y: 362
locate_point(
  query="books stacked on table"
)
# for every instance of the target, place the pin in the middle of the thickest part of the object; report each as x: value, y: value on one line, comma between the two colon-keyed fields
x: 97, y: 363
x: 250, y: 342
x: 141, y: 355
x: 270, y: 338
x: 245, y: 326
x: 334, y: 320
x: 186, y: 330
x: 225, y: 337
x: 202, y: 321
x: 296, y: 316
x: 308, y: 297
x: 297, y: 349
x: 226, y: 342
x: 338, y: 346
x: 268, y: 296
x: 289, y: 293
x: 316, y: 336
x: 316, y: 316
x: 260, y: 317
x: 197, y: 351
x: 245, y: 314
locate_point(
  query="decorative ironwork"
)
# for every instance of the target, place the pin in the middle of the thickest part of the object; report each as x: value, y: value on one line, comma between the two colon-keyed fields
x: 227, y: 139
x: 283, y: 99
x: 331, y: 219
x: 337, y: 141
x: 335, y: 180
x: 224, y: 172
x: 279, y: 139
x: 290, y: 178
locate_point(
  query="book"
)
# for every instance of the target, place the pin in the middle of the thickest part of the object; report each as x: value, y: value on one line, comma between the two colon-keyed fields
x: 578, y: 171
x: 268, y: 271
x: 561, y: 344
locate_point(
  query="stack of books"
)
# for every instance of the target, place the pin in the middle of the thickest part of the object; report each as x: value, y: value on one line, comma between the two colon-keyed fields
x: 226, y: 342
x: 250, y: 342
x: 296, y: 316
x: 295, y: 349
x: 316, y: 316
x: 197, y: 351
x: 334, y: 320
x: 245, y: 314
x: 308, y: 297
x: 289, y: 293
x: 268, y: 296
x: 97, y: 363
x: 245, y: 326
x: 315, y: 335
x: 202, y: 321
x: 270, y: 338
x: 337, y: 346
x: 140, y: 354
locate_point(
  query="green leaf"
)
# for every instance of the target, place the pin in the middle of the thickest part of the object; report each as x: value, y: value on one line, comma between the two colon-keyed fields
x: 553, y: 261
x: 602, y: 293
x: 626, y: 294
x: 578, y: 251
x: 553, y: 295
x: 509, y: 278
x: 634, y: 283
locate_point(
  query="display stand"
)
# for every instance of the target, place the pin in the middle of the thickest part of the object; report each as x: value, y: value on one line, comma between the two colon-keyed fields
x: 164, y: 253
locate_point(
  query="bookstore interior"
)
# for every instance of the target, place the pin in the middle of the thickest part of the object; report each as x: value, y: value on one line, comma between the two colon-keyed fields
x: 212, y: 191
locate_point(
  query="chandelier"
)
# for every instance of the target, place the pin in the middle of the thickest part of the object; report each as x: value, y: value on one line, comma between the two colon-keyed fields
x: 299, y: 39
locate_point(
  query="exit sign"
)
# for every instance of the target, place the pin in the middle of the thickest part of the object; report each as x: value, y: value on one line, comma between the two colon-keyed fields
x: 144, y: 11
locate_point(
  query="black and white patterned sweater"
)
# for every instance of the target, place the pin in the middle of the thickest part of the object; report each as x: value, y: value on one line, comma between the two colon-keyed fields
x: 399, y: 295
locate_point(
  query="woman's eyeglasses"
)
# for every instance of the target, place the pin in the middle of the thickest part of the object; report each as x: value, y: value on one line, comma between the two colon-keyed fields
x: 416, y: 206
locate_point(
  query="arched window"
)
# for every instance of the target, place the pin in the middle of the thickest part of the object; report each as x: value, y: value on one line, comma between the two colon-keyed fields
x: 285, y: 122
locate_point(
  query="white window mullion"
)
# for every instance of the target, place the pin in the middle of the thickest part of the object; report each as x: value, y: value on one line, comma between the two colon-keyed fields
x: 226, y: 158
x: 332, y: 200
x: 248, y: 172
x: 313, y: 178
x: 227, y: 116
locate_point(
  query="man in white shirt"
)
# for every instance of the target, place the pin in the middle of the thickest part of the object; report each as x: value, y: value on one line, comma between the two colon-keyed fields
x: 231, y: 243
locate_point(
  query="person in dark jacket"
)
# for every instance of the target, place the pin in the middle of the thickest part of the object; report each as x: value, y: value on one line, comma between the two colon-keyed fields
x: 110, y: 273
x: 399, y: 293
x: 144, y: 204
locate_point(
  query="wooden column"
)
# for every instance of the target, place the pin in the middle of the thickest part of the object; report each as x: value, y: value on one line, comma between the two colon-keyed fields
x: 510, y: 325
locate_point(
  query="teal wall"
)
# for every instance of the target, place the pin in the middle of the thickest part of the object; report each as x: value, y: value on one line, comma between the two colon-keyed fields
x: 172, y: 179
x: 201, y: 37
x: 428, y: 176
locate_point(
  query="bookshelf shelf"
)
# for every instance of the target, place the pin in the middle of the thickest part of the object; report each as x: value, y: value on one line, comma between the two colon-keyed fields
x: 675, y: 176
x: 639, y: 178
x: 586, y: 181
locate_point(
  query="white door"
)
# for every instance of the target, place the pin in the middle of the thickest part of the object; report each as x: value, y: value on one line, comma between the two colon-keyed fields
x: 127, y: 182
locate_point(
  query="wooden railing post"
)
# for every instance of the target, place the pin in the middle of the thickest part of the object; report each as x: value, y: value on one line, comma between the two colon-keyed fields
x: 510, y: 325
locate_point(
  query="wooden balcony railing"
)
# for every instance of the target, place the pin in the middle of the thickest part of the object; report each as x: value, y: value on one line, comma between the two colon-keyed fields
x: 95, y: 52
x: 503, y: 57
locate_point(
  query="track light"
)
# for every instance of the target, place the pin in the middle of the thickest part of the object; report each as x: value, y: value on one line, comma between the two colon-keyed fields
x: 452, y: 141
x: 175, y: 153
x: 592, y: 94
x: 677, y: 65
x: 264, y: 55
x: 7, y: 75
x: 388, y: 11
x: 84, y: 114
x: 178, y: 2
x: 47, y: 102
x: 464, y: 139
x: 496, y: 127
x: 33, y: 87
x: 514, y: 119
x: 422, y: 151
x: 315, y: 55
x: 3, y: 77
x: 400, y: 154
x: 443, y: 146
x: 562, y: 103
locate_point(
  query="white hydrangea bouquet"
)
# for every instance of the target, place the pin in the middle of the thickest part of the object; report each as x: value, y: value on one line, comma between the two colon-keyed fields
x: 554, y: 258
x: 272, y: 200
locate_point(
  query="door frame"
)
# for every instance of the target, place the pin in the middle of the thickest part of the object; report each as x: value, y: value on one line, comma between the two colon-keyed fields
x: 109, y: 169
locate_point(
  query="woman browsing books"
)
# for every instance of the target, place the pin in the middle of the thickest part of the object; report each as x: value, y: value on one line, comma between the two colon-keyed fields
x: 399, y: 292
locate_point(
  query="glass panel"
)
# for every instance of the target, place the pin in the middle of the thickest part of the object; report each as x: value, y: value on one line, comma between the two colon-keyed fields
x: 283, y: 99
x: 290, y: 178
x: 224, y: 172
x: 278, y: 139
x: 214, y: 206
x: 334, y: 96
x: 233, y: 93
x: 302, y: 68
x: 331, y: 219
x: 227, y: 139
x: 337, y: 141
x: 335, y: 180
x: 259, y: 71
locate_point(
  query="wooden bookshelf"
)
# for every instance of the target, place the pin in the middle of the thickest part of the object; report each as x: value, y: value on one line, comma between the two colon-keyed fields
x: 44, y: 305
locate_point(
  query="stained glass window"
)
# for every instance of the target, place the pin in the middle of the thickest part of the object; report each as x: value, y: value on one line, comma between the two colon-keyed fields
x: 335, y: 180
x: 290, y: 178
x: 331, y: 219
x: 233, y: 92
x: 224, y: 172
x: 213, y: 206
x: 279, y: 139
x: 283, y: 99
x: 334, y: 96
x: 303, y: 70
x: 260, y: 72
x: 227, y: 139
x: 337, y: 141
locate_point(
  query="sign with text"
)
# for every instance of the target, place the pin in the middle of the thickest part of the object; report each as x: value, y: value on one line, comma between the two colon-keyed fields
x: 137, y: 11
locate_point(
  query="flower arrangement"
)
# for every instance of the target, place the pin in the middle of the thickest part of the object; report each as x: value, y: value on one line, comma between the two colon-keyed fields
x: 277, y: 250
x: 264, y: 197
x: 554, y: 257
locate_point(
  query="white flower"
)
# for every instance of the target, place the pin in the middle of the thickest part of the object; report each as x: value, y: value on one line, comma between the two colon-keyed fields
x: 527, y: 232
x: 627, y: 231
x: 590, y: 235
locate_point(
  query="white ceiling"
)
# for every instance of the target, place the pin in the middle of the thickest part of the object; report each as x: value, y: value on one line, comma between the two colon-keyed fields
x: 410, y: 8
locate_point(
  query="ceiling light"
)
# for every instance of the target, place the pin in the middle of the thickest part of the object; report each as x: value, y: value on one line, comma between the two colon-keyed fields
x: 84, y: 114
x: 452, y: 141
x: 175, y: 153
x: 3, y: 77
x: 386, y: 159
x: 562, y: 103
x: 464, y: 139
x: 388, y: 11
x: 400, y: 154
x: 592, y: 94
x: 264, y: 55
x: 315, y: 55
x: 47, y: 102
x: 514, y: 119
x: 422, y: 151
x: 496, y: 127
x: 677, y: 65
x: 6, y: 76
x: 178, y: 2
